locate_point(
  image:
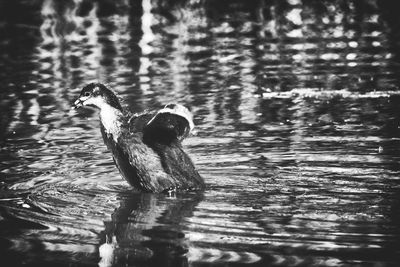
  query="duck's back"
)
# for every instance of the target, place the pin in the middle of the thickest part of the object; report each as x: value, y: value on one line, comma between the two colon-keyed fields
x: 149, y: 153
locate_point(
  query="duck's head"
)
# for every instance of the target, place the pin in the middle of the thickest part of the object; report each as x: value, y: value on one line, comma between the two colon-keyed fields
x: 97, y: 95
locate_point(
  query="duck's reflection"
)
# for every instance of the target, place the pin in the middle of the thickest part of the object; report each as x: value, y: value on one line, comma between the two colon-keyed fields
x: 148, y: 229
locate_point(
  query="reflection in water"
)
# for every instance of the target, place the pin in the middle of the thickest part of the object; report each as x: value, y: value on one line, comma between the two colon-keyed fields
x: 145, y: 228
x: 297, y: 112
x: 147, y: 38
x: 149, y: 228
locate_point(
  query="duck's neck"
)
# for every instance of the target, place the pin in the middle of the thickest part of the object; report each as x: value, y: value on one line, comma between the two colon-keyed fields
x: 112, y: 119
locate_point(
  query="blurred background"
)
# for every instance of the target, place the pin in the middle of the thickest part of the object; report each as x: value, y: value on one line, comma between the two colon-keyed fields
x: 297, y: 112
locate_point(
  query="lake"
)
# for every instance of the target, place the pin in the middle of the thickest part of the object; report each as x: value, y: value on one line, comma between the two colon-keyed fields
x: 297, y: 111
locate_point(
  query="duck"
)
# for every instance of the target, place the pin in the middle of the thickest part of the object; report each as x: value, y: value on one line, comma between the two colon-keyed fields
x: 146, y: 147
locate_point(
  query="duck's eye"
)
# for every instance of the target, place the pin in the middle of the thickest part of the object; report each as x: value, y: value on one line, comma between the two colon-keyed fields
x: 87, y: 94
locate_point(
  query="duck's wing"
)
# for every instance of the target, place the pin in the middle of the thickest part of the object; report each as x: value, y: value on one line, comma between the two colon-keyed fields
x: 173, y: 122
x: 138, y: 121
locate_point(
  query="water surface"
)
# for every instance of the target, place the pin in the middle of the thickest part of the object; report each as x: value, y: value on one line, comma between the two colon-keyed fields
x: 297, y: 113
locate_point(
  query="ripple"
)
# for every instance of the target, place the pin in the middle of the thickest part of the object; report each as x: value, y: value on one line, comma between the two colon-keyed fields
x: 296, y: 108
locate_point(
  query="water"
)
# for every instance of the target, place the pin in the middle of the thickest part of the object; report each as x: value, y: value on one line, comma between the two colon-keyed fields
x: 297, y: 114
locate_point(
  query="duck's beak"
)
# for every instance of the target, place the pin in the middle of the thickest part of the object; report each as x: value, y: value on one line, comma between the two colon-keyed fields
x: 78, y: 103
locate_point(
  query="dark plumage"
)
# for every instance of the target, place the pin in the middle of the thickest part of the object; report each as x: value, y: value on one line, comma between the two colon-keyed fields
x: 146, y: 147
